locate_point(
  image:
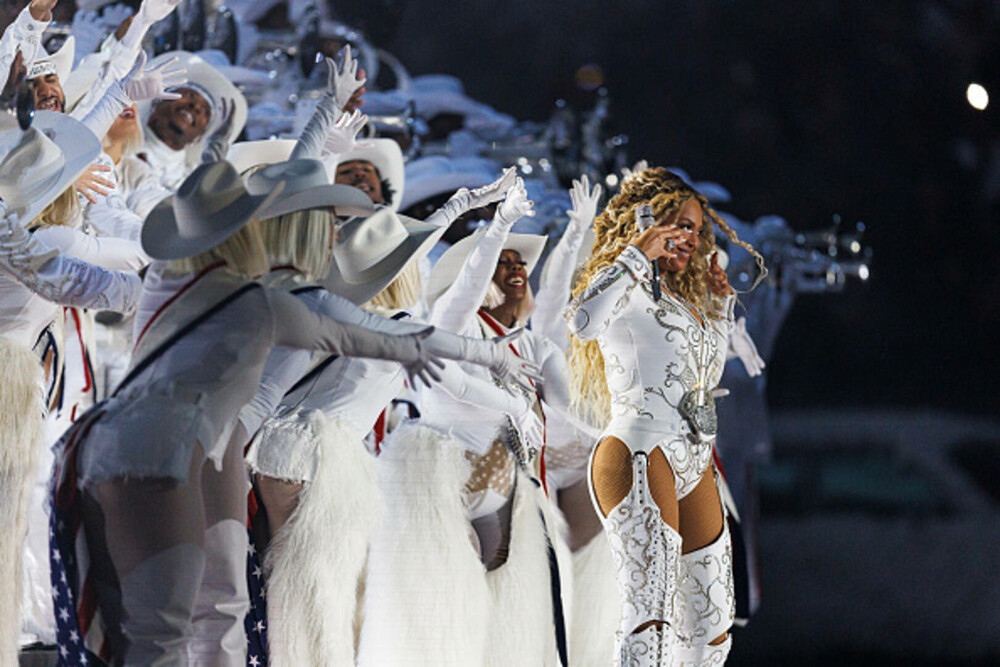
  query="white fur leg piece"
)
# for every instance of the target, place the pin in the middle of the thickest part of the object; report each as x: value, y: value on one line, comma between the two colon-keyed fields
x: 521, y: 628
x: 426, y: 599
x: 314, y: 562
x: 596, y: 605
x: 21, y: 428
x: 703, y: 655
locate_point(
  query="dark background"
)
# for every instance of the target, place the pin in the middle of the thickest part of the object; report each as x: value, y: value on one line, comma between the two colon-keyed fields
x: 802, y: 109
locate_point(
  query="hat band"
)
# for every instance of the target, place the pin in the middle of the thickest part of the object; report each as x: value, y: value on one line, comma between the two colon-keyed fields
x: 41, y: 68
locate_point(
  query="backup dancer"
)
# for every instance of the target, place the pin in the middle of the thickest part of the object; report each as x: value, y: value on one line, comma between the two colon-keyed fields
x: 648, y: 350
x: 38, y: 166
x: 139, y: 467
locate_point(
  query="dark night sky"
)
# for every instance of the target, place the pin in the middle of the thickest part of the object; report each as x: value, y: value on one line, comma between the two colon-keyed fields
x: 804, y: 110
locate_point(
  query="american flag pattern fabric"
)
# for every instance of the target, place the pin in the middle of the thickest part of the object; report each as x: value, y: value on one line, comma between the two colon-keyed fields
x: 79, y: 626
x: 255, y: 623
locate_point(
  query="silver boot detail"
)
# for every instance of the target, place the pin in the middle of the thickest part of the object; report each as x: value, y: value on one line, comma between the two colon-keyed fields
x: 646, y: 554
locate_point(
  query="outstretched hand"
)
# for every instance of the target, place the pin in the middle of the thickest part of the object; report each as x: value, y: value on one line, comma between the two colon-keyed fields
x: 584, y: 199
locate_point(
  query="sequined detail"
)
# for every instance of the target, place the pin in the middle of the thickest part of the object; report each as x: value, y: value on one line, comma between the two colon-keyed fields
x: 700, y: 656
x: 698, y: 408
x: 646, y: 553
x: 707, y: 582
x: 649, y: 648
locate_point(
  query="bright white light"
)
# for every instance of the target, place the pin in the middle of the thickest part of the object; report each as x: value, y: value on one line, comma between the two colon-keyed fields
x: 977, y: 96
x: 611, y: 180
x: 527, y: 169
x: 863, y: 272
x: 855, y: 247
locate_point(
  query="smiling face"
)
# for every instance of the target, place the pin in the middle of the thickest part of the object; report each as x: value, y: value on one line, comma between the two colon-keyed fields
x: 48, y: 93
x: 511, y: 276
x: 362, y: 175
x: 125, y: 125
x: 178, y: 123
x: 689, y: 219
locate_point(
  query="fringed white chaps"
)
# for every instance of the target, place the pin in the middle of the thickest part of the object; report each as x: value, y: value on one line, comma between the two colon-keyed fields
x: 429, y: 599
x: 21, y: 429
x: 315, y: 561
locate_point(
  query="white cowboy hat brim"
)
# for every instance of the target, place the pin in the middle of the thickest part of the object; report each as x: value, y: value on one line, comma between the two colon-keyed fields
x: 444, y: 273
x: 373, y: 280
x: 436, y: 175
x: 387, y: 157
x: 202, y: 77
x: 247, y: 154
x: 161, y: 238
x: 78, y: 144
x: 346, y: 201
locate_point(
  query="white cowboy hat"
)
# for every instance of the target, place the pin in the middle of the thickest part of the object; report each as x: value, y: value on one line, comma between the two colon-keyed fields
x: 210, y: 206
x: 59, y: 63
x: 387, y: 158
x: 371, y: 252
x: 247, y: 154
x: 211, y: 84
x: 529, y: 246
x: 435, y: 94
x: 437, y: 174
x: 41, y: 162
x: 306, y: 187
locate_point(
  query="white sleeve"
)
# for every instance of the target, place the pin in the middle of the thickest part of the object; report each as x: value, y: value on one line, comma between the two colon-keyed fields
x: 109, y: 217
x: 62, y: 279
x: 455, y: 309
x: 477, y: 391
x: 555, y: 387
x: 117, y: 254
x: 603, y: 300
x: 554, y: 293
x: 99, y: 118
x: 24, y: 34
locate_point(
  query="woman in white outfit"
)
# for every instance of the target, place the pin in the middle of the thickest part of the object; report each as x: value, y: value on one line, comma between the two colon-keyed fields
x: 648, y: 350
x: 36, y: 281
x: 204, y: 331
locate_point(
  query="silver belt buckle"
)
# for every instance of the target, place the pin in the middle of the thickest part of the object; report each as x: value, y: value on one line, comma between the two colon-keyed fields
x: 698, y: 408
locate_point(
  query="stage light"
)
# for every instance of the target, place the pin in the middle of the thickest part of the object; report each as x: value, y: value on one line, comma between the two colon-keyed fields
x: 977, y: 96
x: 863, y: 272
x: 611, y: 180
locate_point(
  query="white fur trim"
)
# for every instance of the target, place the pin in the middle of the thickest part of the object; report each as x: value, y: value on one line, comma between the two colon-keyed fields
x: 21, y: 428
x: 596, y: 605
x: 521, y: 629
x: 426, y: 600
x: 315, y: 561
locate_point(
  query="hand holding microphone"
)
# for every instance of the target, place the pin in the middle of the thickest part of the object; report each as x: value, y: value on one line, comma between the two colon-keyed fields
x: 655, y: 241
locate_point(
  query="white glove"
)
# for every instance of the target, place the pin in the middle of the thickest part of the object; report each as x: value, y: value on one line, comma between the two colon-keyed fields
x: 152, y: 11
x: 114, y: 15
x: 342, y: 80
x: 742, y: 346
x: 423, y: 364
x: 88, y: 29
x: 342, y: 136
x: 514, y: 207
x: 584, y: 199
x: 465, y: 200
x: 511, y: 368
x: 18, y: 248
x: 152, y: 83
x: 217, y: 145
x: 530, y: 428
x: 627, y: 173
x: 494, y: 354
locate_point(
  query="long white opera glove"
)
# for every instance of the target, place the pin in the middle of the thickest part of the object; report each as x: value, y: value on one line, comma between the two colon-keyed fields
x: 61, y: 279
x: 741, y: 345
x: 465, y: 200
x: 342, y: 136
x: 514, y: 207
x: 343, y: 78
x: 152, y: 83
x: 149, y: 13
x: 494, y: 354
x: 554, y: 293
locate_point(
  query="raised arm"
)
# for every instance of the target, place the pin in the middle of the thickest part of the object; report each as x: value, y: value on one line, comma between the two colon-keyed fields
x: 454, y: 309
x: 61, y: 279
x: 116, y: 254
x: 554, y: 293
x: 24, y: 35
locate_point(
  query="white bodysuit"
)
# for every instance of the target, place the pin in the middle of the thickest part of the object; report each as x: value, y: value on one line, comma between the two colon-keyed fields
x: 655, y: 355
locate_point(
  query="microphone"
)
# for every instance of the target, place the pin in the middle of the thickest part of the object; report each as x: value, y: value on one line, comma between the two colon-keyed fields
x: 644, y: 220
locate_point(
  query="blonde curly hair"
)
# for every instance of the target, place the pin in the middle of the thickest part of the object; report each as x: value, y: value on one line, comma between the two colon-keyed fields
x: 616, y: 228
